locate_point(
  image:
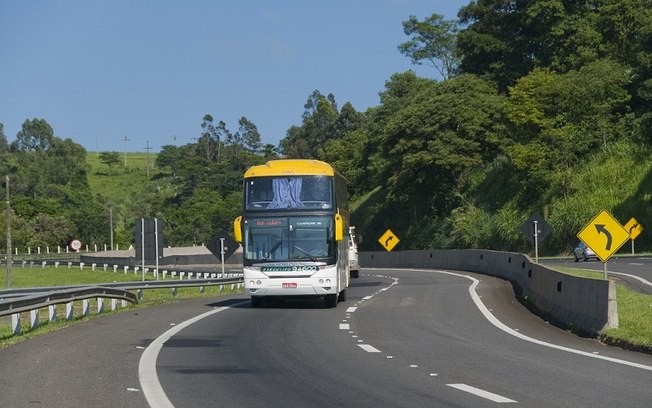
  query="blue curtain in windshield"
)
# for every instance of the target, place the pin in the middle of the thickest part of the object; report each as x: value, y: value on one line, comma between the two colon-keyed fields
x: 287, y: 193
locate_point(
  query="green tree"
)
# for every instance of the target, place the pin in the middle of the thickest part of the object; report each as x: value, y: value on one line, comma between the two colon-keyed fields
x: 4, y: 145
x: 319, y: 118
x: 110, y: 159
x: 35, y: 135
x: 431, y: 143
x: 249, y: 135
x: 209, y: 142
x: 433, y: 42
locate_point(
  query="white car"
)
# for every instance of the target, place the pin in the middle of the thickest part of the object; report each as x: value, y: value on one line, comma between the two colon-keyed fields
x: 582, y: 251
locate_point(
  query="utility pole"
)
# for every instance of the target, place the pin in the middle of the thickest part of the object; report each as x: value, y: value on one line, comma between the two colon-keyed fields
x: 111, y: 223
x: 8, y: 221
x: 148, y: 149
x: 125, y: 139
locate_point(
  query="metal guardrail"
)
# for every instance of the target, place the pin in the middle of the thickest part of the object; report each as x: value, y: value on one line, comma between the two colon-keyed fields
x: 38, y: 301
x: 132, y: 285
x: 16, y: 301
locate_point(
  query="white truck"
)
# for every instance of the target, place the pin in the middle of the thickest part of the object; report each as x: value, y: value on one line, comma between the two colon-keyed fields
x: 354, y: 267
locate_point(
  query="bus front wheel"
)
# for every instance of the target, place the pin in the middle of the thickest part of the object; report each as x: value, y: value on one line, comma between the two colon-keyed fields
x: 343, y: 296
x: 331, y: 300
x: 256, y: 301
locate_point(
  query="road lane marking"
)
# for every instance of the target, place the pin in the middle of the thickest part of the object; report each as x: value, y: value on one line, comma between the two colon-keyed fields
x: 367, y: 297
x: 344, y: 326
x: 351, y: 309
x: 493, y: 320
x: 149, y: 383
x: 482, y: 393
x: 632, y: 276
x: 368, y: 348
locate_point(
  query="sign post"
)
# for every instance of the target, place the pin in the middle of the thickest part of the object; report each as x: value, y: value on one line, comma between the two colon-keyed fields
x: 604, y: 235
x: 536, y: 229
x: 222, y: 254
x: 634, y: 228
x: 222, y: 246
x: 536, y: 242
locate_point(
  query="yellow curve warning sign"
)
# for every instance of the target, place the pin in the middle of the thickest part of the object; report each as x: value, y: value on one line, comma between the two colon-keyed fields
x: 388, y: 240
x: 604, y: 235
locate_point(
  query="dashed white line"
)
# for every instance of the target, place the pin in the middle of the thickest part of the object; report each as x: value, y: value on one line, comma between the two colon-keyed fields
x: 367, y: 297
x: 482, y: 393
x: 351, y: 309
x: 368, y: 348
x: 344, y: 326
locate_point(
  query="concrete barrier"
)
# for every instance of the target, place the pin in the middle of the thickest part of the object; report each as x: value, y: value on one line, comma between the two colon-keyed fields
x: 582, y: 304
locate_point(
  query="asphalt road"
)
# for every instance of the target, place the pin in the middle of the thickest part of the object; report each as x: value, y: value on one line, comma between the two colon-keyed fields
x: 402, y: 339
x: 414, y: 339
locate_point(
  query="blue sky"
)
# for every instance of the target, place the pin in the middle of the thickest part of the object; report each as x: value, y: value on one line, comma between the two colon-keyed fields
x: 100, y: 71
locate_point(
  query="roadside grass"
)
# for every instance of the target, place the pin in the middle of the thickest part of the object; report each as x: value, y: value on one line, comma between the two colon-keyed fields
x: 62, y: 276
x: 634, y: 317
x: 50, y: 276
x: 634, y: 313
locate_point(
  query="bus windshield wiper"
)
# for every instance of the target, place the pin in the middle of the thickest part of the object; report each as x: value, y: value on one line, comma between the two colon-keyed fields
x: 305, y: 252
x: 271, y: 251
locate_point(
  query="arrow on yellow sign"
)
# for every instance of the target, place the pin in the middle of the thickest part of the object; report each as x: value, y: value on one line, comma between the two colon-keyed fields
x: 604, y: 235
x: 388, y: 240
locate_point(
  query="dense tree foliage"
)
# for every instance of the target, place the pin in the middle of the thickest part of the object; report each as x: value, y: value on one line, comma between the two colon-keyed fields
x: 543, y: 88
x: 204, y: 180
x: 51, y: 199
x: 542, y: 106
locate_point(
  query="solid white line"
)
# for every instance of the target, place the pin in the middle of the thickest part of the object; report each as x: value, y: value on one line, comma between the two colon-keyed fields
x: 632, y: 276
x: 344, y: 326
x: 149, y: 383
x: 493, y: 320
x: 481, y: 393
x: 351, y: 309
x: 368, y: 348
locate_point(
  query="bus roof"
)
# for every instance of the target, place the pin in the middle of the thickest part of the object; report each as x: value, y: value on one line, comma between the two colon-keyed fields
x: 291, y: 167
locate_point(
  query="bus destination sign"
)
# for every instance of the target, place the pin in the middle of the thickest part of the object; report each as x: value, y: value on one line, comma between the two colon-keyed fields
x: 290, y: 268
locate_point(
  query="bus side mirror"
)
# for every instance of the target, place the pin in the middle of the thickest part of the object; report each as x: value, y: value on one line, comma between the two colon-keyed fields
x: 339, y: 228
x: 237, y: 229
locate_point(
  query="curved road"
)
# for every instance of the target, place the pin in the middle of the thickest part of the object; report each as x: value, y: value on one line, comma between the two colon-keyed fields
x: 403, y: 338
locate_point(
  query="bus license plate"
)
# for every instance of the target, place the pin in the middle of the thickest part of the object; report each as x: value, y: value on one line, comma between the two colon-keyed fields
x: 289, y: 284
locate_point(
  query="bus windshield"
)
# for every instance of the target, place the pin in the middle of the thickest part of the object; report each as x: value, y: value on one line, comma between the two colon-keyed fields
x: 289, y: 239
x: 288, y: 192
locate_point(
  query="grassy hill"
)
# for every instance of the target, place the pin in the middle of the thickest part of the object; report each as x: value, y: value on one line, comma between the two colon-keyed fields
x: 123, y: 180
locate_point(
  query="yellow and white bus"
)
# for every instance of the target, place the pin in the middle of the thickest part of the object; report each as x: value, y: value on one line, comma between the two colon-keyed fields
x: 292, y: 231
